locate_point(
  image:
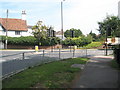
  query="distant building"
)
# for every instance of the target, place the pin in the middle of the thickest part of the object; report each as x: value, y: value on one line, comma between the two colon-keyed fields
x: 15, y: 27
x: 59, y: 34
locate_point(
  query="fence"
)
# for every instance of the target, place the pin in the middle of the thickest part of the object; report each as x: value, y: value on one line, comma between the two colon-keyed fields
x: 20, y: 61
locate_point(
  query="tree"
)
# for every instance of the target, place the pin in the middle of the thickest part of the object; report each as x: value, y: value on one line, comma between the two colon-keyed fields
x: 94, y: 36
x: 73, y: 33
x: 40, y: 31
x: 110, y: 25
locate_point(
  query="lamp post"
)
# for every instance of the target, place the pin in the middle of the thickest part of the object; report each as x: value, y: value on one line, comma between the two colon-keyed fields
x: 62, y: 18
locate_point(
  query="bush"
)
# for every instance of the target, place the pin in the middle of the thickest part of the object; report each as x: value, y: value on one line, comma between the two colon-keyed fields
x: 93, y: 45
x: 50, y: 41
x: 80, y: 41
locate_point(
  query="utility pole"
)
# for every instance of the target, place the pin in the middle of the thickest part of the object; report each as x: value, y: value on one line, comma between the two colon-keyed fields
x: 6, y: 30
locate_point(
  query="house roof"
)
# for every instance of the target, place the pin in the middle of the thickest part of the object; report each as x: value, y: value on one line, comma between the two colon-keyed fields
x: 13, y: 24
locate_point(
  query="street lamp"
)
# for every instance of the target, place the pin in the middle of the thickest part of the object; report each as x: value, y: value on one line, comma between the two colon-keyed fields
x: 6, y: 30
x: 62, y: 18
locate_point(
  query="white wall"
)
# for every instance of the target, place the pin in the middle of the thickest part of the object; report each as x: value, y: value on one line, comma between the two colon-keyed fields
x: 12, y: 33
x: 60, y: 36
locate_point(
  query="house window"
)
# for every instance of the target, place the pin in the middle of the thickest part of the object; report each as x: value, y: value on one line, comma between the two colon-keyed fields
x: 17, y: 32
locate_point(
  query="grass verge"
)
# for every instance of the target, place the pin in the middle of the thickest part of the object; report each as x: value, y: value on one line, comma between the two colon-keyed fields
x: 114, y: 64
x: 57, y: 74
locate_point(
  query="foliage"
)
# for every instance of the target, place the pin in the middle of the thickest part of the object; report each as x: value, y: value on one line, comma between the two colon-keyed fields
x: 94, y: 36
x: 114, y: 64
x: 77, y: 33
x: 110, y: 24
x: 50, y: 41
x: 57, y: 74
x: 93, y: 45
x: 40, y: 31
x: 25, y: 41
x: 30, y: 40
x: 80, y: 41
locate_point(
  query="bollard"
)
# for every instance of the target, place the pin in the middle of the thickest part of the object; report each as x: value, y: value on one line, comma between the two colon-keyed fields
x: 23, y: 55
x: 59, y: 53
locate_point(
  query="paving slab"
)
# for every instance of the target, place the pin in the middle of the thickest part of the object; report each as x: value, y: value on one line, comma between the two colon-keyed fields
x: 98, y: 74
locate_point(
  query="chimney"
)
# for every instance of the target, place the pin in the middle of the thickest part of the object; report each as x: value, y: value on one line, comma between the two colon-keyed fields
x: 23, y: 15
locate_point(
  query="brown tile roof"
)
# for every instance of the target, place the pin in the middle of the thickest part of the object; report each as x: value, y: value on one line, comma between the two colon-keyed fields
x: 14, y: 24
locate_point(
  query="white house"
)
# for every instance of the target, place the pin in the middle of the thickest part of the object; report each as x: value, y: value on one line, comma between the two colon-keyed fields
x: 15, y: 27
x: 59, y: 34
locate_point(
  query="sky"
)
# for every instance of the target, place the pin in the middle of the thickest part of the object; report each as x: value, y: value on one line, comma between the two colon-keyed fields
x: 78, y: 14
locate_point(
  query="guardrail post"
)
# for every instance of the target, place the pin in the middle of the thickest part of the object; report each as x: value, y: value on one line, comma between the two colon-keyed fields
x: 59, y: 53
x: 86, y: 52
x: 23, y: 55
x: 43, y: 53
x: 73, y: 53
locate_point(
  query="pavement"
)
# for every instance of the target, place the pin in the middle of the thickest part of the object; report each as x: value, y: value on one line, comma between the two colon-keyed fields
x: 97, y: 74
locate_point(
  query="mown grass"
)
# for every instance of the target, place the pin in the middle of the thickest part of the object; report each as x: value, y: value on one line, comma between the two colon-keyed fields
x: 57, y: 74
x: 114, y: 64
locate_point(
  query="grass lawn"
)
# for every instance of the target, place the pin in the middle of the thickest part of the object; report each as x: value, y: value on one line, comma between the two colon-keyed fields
x: 114, y: 64
x: 57, y: 74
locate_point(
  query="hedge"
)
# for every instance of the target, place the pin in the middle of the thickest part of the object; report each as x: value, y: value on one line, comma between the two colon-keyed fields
x: 30, y: 40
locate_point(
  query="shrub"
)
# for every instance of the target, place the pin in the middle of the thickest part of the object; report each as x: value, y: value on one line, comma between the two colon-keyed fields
x: 80, y: 41
x: 93, y: 45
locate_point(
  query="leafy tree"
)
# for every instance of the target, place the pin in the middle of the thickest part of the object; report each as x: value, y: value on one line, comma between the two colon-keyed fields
x: 76, y: 33
x: 94, y: 36
x: 40, y: 31
x: 110, y: 25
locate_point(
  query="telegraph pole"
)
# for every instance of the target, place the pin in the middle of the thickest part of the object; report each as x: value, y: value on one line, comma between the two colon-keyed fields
x: 6, y: 30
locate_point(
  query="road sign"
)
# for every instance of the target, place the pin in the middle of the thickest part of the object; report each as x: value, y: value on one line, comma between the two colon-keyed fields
x: 113, y: 41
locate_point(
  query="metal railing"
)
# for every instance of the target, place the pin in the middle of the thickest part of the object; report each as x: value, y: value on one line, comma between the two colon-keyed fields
x: 18, y: 62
